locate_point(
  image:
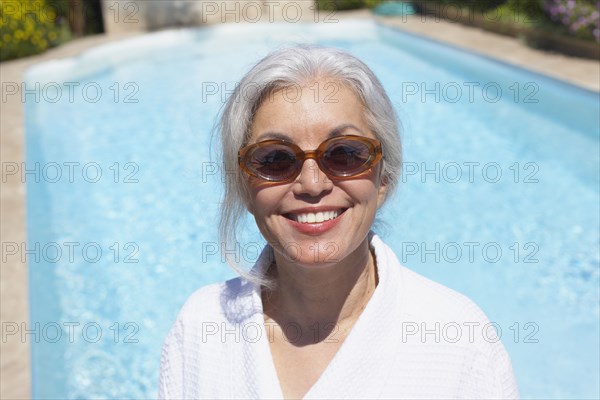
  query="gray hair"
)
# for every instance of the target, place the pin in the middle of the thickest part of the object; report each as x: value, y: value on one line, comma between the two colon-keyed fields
x: 293, y: 67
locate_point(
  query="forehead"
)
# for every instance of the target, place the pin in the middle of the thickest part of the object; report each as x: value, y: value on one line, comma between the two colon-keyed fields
x: 309, y: 113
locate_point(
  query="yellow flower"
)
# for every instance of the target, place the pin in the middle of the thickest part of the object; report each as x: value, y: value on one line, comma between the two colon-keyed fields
x: 50, y: 15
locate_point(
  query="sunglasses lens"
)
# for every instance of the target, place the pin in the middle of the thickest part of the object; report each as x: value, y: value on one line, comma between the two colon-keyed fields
x: 348, y: 157
x: 274, y: 162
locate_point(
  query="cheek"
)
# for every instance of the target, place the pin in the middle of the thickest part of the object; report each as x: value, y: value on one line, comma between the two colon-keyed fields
x: 376, y: 187
x: 366, y: 190
x: 256, y: 194
x: 265, y: 201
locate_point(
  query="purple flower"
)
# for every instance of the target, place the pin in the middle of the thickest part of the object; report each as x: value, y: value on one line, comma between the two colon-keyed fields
x: 578, y: 17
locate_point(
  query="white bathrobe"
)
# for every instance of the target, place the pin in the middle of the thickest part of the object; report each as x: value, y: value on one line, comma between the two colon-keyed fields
x: 415, y: 339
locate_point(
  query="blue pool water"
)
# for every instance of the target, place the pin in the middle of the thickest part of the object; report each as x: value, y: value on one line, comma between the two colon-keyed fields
x: 499, y: 198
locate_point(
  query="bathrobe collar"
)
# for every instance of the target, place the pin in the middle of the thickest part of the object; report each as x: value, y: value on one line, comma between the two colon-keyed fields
x: 359, y: 368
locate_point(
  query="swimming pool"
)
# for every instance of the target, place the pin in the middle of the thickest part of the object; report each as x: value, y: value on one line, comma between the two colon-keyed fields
x: 498, y: 198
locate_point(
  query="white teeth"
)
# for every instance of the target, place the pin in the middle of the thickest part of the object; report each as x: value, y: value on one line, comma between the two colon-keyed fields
x: 311, y: 218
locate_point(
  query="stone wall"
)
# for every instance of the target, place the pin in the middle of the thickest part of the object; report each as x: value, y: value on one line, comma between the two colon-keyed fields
x: 148, y: 15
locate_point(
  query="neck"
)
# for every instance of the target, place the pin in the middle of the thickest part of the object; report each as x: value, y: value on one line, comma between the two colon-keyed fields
x: 332, y: 296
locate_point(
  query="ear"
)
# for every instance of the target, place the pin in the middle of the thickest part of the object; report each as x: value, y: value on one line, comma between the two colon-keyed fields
x: 247, y: 202
x: 244, y: 193
x: 381, y: 192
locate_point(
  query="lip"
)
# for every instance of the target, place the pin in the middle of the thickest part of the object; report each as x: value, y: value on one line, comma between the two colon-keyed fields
x: 315, y: 229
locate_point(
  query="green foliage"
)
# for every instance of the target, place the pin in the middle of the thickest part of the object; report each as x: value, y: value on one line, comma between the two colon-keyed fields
x: 32, y: 26
x: 580, y: 19
x: 563, y: 17
x: 529, y: 10
x: 28, y: 27
x: 520, y: 12
x: 474, y: 4
x: 373, y: 3
x: 346, y: 4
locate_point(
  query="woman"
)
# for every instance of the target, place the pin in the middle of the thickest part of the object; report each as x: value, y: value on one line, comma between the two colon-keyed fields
x: 327, y: 311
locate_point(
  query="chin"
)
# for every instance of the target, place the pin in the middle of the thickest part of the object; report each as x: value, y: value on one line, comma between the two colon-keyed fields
x: 311, y: 252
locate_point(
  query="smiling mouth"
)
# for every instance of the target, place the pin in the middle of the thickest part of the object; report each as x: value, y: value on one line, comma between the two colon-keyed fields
x: 315, y: 218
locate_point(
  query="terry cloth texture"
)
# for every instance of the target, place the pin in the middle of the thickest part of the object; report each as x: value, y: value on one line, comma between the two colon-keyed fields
x: 415, y: 339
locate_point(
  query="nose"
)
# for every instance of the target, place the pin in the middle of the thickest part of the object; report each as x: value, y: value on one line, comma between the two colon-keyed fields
x: 312, y: 181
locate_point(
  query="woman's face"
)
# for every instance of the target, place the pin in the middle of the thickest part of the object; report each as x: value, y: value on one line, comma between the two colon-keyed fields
x: 288, y: 214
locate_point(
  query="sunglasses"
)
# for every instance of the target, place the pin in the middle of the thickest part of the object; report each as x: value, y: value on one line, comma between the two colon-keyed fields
x: 340, y: 157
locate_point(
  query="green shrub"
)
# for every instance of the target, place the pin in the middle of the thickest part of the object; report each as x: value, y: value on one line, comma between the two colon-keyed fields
x: 346, y: 4
x: 580, y: 19
x: 526, y: 10
x: 479, y: 5
x: 373, y: 3
x: 28, y: 27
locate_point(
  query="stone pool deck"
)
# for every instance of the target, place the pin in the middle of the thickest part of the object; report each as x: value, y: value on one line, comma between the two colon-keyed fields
x: 14, y: 352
